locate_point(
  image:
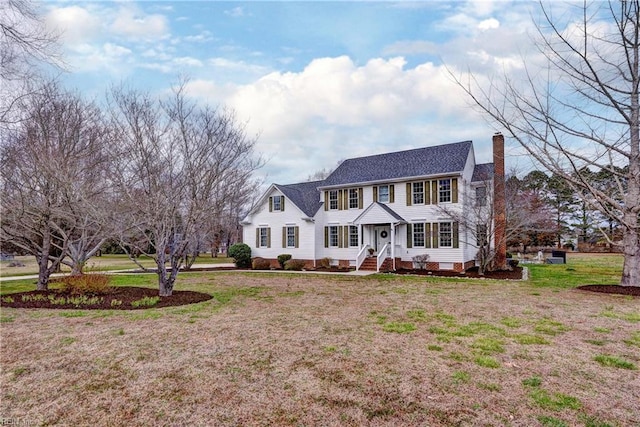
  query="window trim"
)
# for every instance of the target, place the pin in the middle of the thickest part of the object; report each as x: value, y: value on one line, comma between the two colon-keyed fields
x: 331, y: 200
x: 291, y: 236
x: 482, y: 231
x: 265, y: 243
x: 445, y: 190
x: 415, y: 193
x: 277, y: 199
x: 354, y: 196
x: 354, y: 234
x: 416, y: 233
x: 333, y: 228
x: 388, y: 193
x: 442, y: 234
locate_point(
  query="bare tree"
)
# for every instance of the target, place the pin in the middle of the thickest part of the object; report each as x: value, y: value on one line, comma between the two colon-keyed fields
x: 25, y: 44
x: 477, y: 221
x: 178, y: 161
x: 581, y: 112
x: 50, y: 169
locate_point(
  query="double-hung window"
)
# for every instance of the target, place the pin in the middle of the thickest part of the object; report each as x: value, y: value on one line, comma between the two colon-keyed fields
x: 264, y: 237
x: 481, y: 196
x: 444, y: 190
x: 277, y: 203
x: 333, y: 200
x: 418, y: 235
x: 418, y: 193
x: 291, y: 237
x: 353, y: 198
x: 353, y: 235
x: 445, y: 235
x: 333, y: 236
x: 383, y: 194
x: 481, y: 234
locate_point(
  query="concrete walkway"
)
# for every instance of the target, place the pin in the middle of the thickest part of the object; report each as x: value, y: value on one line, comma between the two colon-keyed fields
x: 202, y: 268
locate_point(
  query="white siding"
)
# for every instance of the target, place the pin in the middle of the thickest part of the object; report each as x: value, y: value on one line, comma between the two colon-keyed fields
x: 291, y: 216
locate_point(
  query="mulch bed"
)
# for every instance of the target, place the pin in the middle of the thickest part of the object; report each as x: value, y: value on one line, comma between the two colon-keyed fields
x: 124, y: 294
x: 612, y: 289
x: 515, y: 274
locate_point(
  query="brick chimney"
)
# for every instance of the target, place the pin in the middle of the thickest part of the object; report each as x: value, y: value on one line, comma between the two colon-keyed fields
x: 499, y: 204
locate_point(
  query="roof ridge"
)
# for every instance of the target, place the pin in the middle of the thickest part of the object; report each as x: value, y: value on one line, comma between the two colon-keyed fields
x: 409, y: 150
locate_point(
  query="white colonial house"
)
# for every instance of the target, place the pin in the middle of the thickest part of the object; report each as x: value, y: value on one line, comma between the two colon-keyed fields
x: 378, y: 212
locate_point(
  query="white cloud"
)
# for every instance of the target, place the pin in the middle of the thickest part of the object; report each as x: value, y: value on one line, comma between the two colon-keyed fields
x: 76, y: 24
x: 489, y: 24
x: 186, y: 61
x: 131, y: 22
x: 335, y: 109
x: 204, y: 36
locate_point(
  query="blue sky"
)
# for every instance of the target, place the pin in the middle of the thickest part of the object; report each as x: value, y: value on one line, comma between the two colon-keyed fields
x: 317, y: 81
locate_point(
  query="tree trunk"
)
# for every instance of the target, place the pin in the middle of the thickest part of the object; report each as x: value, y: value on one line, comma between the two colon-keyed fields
x: 631, y: 251
x: 43, y: 274
x: 165, y: 284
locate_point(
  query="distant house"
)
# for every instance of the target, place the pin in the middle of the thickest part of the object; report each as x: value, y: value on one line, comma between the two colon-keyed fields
x: 378, y: 212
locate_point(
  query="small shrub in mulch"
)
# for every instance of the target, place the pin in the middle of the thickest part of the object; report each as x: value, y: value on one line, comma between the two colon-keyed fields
x: 294, y: 264
x: 117, y: 298
x: 260, y: 264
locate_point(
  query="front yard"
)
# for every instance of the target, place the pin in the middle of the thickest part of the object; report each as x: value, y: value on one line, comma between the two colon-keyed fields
x: 282, y: 349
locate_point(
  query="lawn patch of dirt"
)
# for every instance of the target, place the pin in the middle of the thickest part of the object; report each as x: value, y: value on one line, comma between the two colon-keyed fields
x: 118, y: 298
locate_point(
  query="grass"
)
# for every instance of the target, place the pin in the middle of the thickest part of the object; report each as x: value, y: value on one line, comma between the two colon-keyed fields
x: 96, y: 264
x: 614, y: 361
x: 278, y: 349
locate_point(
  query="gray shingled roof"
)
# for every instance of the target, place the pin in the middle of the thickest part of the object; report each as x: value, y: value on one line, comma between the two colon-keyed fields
x: 438, y: 160
x: 305, y: 195
x: 482, y: 172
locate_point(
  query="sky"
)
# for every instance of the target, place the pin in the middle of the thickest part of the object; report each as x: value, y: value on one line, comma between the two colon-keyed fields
x: 316, y: 82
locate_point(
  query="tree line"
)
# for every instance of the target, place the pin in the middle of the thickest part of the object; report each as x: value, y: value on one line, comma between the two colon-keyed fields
x: 557, y: 216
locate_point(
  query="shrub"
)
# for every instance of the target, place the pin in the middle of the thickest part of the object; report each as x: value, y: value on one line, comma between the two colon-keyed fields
x: 283, y: 258
x: 145, y: 302
x: 86, y: 284
x: 294, y: 264
x: 260, y: 264
x: 421, y: 261
x: 241, y: 254
x: 325, y: 262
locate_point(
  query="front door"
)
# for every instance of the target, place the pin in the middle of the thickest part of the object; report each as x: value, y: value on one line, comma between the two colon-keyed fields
x: 382, y: 236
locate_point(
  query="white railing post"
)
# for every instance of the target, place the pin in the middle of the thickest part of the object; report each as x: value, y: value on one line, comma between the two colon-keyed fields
x: 381, y: 254
x: 361, y: 256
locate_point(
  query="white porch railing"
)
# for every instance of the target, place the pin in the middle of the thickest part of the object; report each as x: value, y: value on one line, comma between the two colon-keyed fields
x: 361, y: 256
x: 382, y: 255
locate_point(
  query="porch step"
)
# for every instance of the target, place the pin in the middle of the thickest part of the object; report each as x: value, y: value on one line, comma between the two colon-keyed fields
x: 369, y: 264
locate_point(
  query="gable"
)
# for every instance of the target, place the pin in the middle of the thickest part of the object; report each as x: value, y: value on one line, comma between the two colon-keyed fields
x: 378, y: 213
